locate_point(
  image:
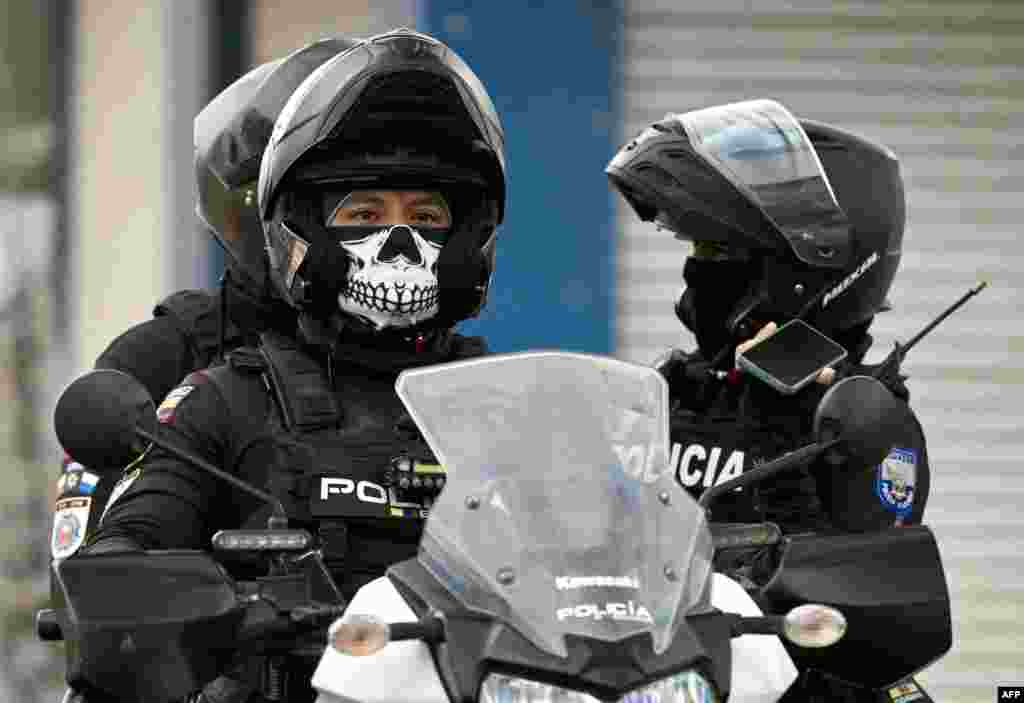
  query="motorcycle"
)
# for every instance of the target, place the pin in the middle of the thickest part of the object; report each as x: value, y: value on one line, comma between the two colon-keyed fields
x: 561, y: 561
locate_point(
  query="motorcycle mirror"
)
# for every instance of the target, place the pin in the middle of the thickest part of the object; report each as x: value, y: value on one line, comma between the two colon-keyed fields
x: 96, y: 417
x: 106, y: 418
x: 863, y: 416
x: 856, y: 422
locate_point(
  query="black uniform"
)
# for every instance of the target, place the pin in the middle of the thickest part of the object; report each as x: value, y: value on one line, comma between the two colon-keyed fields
x: 185, y: 334
x: 324, y: 436
x: 720, y: 428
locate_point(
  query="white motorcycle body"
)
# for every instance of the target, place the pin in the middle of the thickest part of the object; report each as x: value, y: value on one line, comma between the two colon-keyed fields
x: 404, y: 672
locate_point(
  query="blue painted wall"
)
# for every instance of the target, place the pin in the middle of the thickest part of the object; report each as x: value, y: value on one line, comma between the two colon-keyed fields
x: 553, y: 71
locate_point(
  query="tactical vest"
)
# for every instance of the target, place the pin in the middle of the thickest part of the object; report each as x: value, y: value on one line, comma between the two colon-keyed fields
x: 344, y: 458
x: 746, y: 428
x: 711, y: 448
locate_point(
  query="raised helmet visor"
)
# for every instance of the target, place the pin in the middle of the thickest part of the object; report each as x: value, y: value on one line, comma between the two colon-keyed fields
x: 402, y: 79
x: 744, y: 174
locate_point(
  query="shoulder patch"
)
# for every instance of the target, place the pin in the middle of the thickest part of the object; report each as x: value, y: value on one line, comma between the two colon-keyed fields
x: 87, y: 482
x: 77, y: 482
x: 895, y: 481
x: 70, y: 518
x: 165, y: 413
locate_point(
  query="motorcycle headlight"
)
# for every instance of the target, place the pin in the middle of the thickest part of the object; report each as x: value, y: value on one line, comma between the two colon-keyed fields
x: 686, y: 687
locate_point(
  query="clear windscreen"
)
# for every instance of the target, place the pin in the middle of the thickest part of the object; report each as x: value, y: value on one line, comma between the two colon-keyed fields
x: 560, y: 516
x: 762, y: 148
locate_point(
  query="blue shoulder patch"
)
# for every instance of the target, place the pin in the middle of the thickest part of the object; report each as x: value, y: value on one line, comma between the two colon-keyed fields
x: 895, y: 481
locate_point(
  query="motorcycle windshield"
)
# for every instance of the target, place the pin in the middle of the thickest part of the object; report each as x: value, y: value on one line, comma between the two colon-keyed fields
x: 762, y: 149
x: 560, y: 515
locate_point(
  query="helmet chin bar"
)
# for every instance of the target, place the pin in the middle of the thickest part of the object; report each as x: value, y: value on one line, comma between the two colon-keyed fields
x: 799, y: 297
x: 392, y: 280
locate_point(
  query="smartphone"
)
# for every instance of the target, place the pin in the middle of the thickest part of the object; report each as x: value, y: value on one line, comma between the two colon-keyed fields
x: 792, y: 357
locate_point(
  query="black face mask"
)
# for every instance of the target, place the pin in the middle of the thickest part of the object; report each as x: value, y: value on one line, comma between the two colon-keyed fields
x: 713, y: 289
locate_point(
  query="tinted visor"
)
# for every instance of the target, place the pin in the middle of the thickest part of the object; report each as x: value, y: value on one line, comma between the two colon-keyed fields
x: 231, y: 216
x: 762, y: 149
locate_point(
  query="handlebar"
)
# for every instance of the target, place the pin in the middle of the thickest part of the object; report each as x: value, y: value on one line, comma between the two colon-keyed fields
x: 728, y: 535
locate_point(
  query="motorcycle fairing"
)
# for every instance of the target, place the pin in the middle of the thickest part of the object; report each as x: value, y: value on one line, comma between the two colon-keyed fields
x: 760, y: 670
x: 891, y: 587
x: 401, y: 672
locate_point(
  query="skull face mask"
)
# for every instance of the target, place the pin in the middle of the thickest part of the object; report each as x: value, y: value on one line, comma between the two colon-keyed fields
x: 392, y: 279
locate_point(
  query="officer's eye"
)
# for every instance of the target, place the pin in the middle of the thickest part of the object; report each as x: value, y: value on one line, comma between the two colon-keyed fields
x: 356, y: 216
x: 368, y: 216
x: 428, y: 217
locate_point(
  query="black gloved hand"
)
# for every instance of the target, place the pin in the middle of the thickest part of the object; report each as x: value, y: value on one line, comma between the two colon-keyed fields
x: 679, y: 367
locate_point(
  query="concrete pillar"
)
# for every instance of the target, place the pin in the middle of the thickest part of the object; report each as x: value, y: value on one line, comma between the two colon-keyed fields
x: 138, y: 70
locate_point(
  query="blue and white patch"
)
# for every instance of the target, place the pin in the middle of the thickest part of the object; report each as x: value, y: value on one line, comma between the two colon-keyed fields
x: 70, y: 519
x: 87, y: 483
x: 79, y: 482
x: 897, y: 476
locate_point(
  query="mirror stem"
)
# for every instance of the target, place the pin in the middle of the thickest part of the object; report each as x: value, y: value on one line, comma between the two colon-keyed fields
x: 786, y: 461
x: 277, y: 520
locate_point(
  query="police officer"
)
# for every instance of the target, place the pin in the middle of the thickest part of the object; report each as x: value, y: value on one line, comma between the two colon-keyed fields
x: 786, y: 218
x: 379, y: 194
x: 191, y: 329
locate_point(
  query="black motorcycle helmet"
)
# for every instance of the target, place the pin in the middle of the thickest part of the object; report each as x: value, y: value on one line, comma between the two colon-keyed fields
x: 399, y: 111
x: 812, y: 214
x: 230, y: 135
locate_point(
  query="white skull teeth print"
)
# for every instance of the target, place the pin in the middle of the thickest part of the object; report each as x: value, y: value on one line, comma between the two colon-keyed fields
x: 392, y: 281
x: 396, y: 297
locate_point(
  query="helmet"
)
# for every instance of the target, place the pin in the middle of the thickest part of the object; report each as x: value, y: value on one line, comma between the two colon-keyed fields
x: 817, y: 212
x: 399, y: 111
x: 230, y: 134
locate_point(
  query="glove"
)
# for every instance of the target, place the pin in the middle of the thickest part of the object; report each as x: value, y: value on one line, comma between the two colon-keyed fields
x: 680, y: 368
